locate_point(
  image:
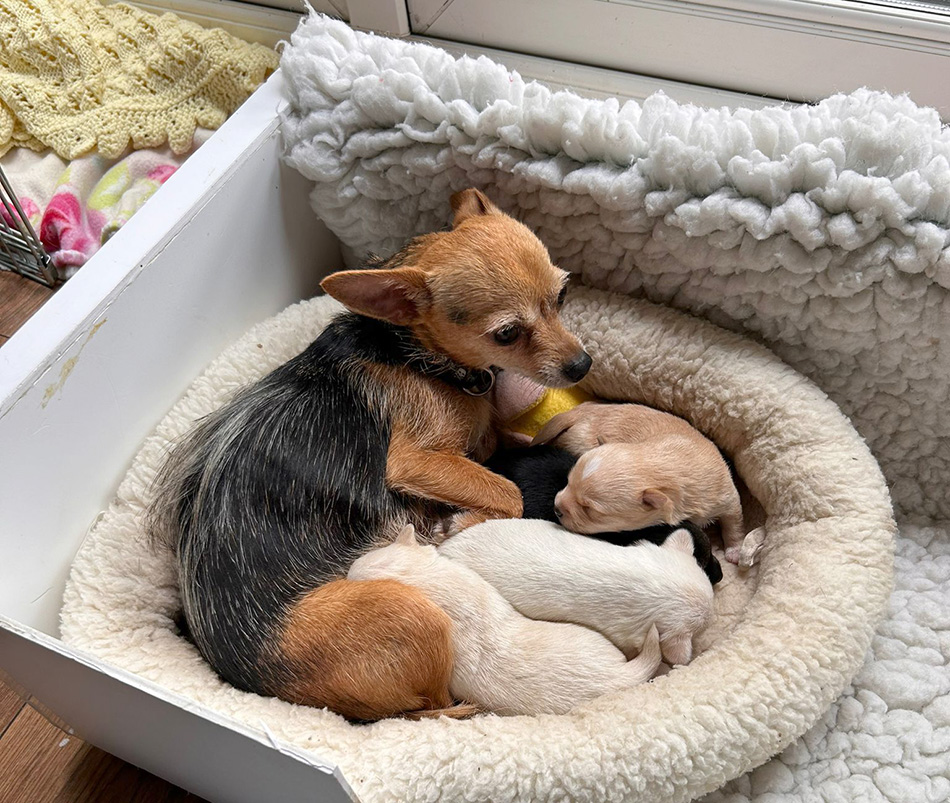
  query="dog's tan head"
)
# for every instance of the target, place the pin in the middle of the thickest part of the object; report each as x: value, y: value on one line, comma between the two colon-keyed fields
x: 485, y: 293
x: 614, y: 488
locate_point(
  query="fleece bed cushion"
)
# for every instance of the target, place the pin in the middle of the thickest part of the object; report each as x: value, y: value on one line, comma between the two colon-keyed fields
x: 787, y: 639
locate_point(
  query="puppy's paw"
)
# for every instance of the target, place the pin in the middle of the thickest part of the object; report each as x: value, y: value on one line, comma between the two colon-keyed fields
x: 462, y: 521
x: 440, y: 530
x: 751, y: 547
x: 732, y: 554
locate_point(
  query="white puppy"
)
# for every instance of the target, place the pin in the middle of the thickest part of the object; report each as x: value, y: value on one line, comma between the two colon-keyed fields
x: 549, y: 573
x: 505, y: 662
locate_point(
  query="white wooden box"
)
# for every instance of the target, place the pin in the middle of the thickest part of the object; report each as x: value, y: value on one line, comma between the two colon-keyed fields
x: 229, y: 240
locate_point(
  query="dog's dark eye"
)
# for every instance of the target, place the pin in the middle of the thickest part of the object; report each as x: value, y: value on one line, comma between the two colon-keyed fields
x: 508, y: 334
x: 561, y: 296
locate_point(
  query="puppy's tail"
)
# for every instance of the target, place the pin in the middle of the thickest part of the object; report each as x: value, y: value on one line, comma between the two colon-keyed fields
x: 644, y: 666
x: 457, y: 711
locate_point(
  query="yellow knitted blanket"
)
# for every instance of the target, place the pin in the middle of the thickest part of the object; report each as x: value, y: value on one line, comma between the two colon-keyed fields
x: 76, y: 75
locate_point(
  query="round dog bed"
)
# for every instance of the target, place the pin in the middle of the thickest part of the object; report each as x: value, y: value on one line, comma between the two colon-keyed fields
x: 788, y: 636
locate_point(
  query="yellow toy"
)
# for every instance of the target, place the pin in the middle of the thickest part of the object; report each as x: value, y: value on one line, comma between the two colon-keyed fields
x: 524, y: 406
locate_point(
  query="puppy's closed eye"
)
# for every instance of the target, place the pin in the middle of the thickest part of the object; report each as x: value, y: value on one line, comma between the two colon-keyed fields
x: 590, y: 506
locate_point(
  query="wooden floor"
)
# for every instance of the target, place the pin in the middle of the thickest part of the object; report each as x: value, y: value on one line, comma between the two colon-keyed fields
x: 19, y: 299
x: 39, y: 761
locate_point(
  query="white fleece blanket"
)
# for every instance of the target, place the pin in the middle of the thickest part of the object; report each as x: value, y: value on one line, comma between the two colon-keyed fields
x: 822, y: 230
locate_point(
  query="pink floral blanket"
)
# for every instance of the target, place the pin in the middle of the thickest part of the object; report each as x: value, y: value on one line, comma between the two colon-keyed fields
x: 75, y: 207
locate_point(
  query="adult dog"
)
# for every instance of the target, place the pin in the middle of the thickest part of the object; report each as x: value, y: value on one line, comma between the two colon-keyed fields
x: 380, y: 422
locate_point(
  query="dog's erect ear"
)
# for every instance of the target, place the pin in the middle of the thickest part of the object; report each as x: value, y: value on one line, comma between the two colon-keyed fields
x: 407, y: 536
x: 655, y: 499
x: 399, y: 295
x: 681, y: 540
x: 469, y: 203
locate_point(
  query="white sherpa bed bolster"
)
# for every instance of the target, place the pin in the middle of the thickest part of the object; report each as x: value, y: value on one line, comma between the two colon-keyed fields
x: 788, y: 638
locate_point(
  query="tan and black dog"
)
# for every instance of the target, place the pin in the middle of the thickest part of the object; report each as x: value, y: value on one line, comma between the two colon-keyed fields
x: 379, y: 422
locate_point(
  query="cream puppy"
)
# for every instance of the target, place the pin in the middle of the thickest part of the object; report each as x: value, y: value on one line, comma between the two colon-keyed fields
x: 666, y: 471
x: 548, y: 573
x: 505, y: 662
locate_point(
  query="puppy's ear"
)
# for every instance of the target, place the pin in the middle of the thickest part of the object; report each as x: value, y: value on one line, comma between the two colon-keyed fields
x: 655, y: 499
x: 399, y: 295
x: 681, y: 540
x: 407, y: 536
x: 470, y: 203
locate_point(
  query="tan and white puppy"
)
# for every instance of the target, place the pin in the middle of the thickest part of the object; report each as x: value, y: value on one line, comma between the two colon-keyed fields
x: 666, y: 480
x: 505, y: 662
x: 548, y: 573
x: 639, y: 467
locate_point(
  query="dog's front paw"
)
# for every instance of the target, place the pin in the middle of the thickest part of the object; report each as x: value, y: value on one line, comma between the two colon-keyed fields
x: 748, y: 552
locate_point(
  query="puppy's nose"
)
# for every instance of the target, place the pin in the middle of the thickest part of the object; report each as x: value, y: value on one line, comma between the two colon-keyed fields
x: 577, y: 368
x: 557, y: 510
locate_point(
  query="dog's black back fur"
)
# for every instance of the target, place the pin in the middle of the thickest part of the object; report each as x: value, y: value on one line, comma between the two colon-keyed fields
x: 540, y: 472
x: 278, y: 492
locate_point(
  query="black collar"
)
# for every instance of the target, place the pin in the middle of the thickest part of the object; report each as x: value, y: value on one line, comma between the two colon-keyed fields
x: 473, y: 381
x: 396, y: 345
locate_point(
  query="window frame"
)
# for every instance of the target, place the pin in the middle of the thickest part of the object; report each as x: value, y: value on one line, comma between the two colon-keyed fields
x: 828, y: 45
x: 798, y: 50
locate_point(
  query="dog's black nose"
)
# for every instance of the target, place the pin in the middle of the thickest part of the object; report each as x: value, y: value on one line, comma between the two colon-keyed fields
x: 557, y: 511
x: 577, y: 369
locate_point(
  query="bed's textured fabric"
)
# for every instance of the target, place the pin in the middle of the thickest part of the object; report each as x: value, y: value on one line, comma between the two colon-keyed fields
x: 822, y: 229
x: 786, y: 641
